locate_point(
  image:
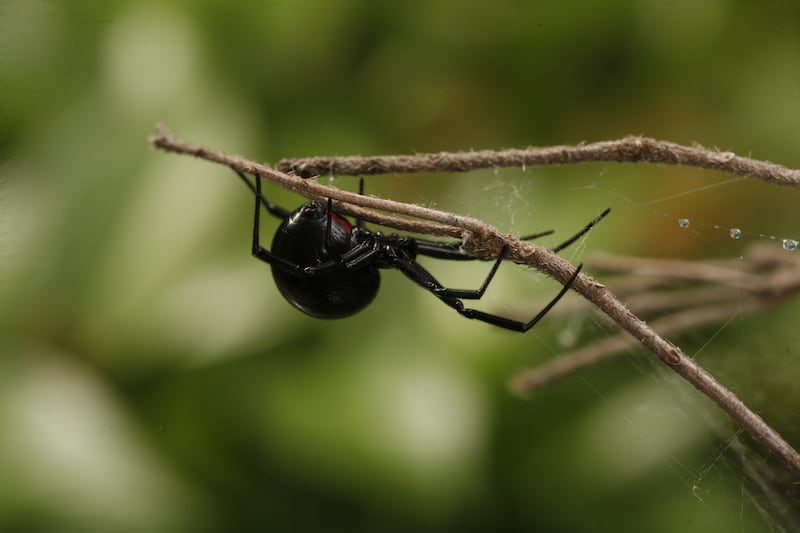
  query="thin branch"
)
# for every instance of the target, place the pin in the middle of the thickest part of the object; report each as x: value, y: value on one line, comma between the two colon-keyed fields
x: 767, y: 279
x: 484, y: 241
x: 529, y: 381
x: 632, y: 149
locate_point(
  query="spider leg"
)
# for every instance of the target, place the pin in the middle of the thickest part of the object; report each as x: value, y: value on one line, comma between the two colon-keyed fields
x: 515, y: 325
x: 356, y: 256
x: 452, y: 297
x: 536, y: 235
x: 442, y: 250
x: 475, y: 294
x: 262, y: 253
x: 422, y: 277
x: 582, y: 232
x: 360, y: 255
x: 328, y: 222
x: 359, y: 222
x: 274, y: 210
x: 353, y: 258
x: 452, y: 250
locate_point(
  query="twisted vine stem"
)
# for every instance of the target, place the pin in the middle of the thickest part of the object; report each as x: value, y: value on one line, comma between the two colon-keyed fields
x: 482, y: 240
x: 632, y: 149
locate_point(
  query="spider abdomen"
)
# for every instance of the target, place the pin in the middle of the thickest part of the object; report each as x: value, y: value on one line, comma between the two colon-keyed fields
x: 336, y: 292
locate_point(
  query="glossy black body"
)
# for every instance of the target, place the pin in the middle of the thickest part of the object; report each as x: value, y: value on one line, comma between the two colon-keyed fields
x: 303, y: 239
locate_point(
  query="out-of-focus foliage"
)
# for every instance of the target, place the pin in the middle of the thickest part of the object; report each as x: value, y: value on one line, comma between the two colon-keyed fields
x: 153, y: 379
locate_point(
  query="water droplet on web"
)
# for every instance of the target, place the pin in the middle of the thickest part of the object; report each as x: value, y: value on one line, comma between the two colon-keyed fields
x: 683, y: 222
x: 736, y: 233
x: 790, y: 244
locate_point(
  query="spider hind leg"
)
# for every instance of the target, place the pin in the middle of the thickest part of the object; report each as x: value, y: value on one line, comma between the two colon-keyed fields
x: 453, y: 297
x: 274, y: 210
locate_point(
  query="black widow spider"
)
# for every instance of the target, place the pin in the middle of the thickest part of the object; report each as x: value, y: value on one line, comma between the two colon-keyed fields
x: 327, y: 268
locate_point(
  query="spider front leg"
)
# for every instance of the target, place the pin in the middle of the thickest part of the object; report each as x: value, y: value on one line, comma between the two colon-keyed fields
x: 452, y: 250
x: 582, y: 232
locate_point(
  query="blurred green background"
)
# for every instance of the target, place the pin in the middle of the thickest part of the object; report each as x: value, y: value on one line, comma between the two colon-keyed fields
x: 153, y: 379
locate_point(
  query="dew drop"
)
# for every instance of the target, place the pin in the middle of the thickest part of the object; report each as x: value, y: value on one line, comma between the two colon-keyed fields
x: 790, y: 244
x: 683, y: 222
x: 736, y: 233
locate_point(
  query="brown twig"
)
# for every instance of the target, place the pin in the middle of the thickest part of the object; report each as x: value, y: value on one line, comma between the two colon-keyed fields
x: 764, y: 279
x: 484, y: 241
x: 632, y: 149
x: 529, y: 381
